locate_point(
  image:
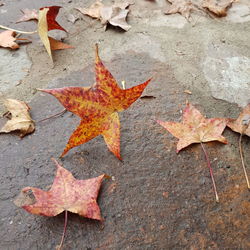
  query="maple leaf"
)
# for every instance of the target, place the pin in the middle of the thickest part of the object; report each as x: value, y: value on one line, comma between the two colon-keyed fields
x: 195, y: 128
x: 28, y: 15
x: 97, y: 106
x: 47, y: 22
x: 241, y: 125
x: 217, y: 7
x: 115, y: 15
x: 20, y: 118
x: 66, y: 194
x: 184, y: 7
x: 8, y: 38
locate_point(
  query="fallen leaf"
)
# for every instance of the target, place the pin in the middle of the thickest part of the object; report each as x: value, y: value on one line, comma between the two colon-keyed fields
x: 65, y: 194
x: 57, y: 45
x: 195, y: 128
x: 7, y: 39
x: 20, y: 118
x: 47, y: 22
x: 115, y: 15
x: 28, y: 15
x: 184, y: 7
x: 218, y: 7
x: 97, y: 106
x: 241, y: 124
x: 93, y: 10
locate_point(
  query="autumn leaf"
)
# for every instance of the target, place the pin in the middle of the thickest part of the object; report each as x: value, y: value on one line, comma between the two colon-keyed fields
x: 66, y: 194
x: 8, y: 39
x: 93, y: 11
x: 184, y: 7
x: 20, y: 118
x: 97, y: 106
x: 47, y: 22
x: 195, y: 128
x: 217, y: 7
x: 241, y: 125
x: 115, y: 15
x: 28, y: 15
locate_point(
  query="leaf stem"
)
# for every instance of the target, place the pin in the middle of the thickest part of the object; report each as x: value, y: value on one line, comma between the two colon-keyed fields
x: 64, y: 230
x: 60, y: 113
x: 211, y: 172
x: 242, y: 161
x: 18, y: 31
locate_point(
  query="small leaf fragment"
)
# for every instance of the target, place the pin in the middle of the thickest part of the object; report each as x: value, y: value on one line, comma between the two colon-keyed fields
x: 28, y: 15
x: 241, y: 124
x: 57, y: 45
x: 20, y: 118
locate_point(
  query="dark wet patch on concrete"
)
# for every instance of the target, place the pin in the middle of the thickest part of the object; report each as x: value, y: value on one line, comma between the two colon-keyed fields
x: 157, y: 200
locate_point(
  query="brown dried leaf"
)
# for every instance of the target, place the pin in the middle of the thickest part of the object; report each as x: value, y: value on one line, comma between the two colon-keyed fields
x: 28, y: 15
x: 7, y: 39
x: 217, y: 7
x: 93, y: 10
x: 241, y: 124
x: 20, y: 118
x: 115, y: 15
x: 184, y: 7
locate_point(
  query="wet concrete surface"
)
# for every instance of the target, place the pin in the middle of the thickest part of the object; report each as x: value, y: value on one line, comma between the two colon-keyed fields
x: 156, y: 198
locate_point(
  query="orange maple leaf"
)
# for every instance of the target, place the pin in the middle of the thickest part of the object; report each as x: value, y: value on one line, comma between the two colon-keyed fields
x: 195, y: 128
x: 66, y: 194
x: 97, y: 106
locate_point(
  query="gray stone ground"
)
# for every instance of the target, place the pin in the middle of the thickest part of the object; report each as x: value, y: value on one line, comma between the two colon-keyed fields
x: 157, y: 199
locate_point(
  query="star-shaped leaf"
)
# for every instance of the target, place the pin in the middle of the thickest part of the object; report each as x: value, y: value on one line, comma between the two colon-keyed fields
x: 195, y: 128
x: 97, y: 106
x: 241, y: 124
x: 65, y: 194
